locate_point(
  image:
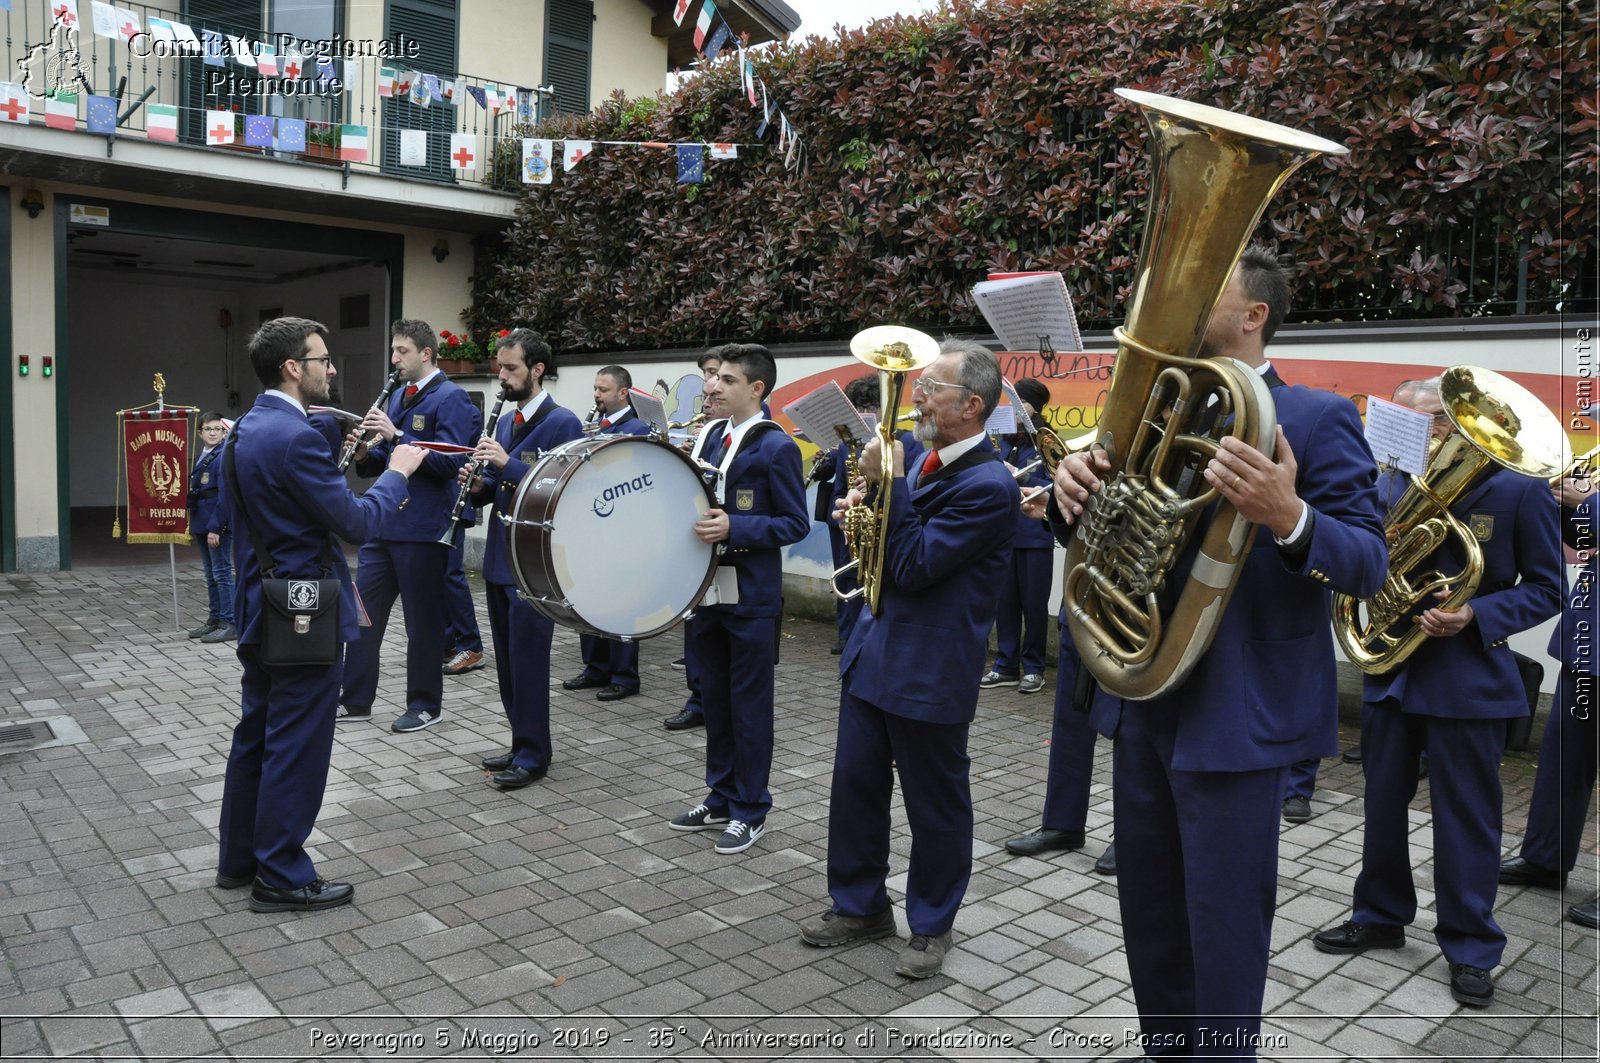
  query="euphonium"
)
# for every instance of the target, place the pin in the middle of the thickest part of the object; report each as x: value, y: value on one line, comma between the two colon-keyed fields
x: 1497, y: 423
x: 894, y: 352
x: 1213, y: 174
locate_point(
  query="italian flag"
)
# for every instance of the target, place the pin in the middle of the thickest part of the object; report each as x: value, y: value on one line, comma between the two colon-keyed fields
x: 386, y: 81
x: 61, y: 110
x: 702, y: 24
x: 353, y: 143
x: 162, y: 123
x: 267, y: 61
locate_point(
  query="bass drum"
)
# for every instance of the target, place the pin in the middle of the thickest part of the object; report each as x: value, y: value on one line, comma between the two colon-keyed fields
x: 602, y: 536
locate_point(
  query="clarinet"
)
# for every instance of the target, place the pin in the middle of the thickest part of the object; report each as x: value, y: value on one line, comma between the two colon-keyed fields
x: 591, y: 424
x: 474, y: 467
x: 349, y: 452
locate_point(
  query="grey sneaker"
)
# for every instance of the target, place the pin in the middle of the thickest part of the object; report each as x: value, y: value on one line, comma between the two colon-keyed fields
x: 992, y: 679
x: 739, y: 836
x: 830, y: 928
x: 699, y: 817
x: 1031, y: 683
x: 221, y: 633
x: 923, y: 956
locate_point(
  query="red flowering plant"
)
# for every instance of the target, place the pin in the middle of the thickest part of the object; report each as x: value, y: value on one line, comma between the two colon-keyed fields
x: 463, y: 348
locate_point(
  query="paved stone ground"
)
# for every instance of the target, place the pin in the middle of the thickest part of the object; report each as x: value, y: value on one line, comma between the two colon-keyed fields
x: 567, y: 912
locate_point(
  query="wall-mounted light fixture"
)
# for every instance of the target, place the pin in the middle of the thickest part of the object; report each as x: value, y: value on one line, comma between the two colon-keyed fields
x: 441, y: 249
x: 32, y: 202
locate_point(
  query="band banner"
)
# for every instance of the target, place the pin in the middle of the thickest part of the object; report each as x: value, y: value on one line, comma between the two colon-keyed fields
x: 155, y: 447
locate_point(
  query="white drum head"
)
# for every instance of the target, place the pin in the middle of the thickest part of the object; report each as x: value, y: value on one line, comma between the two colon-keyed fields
x: 622, y: 541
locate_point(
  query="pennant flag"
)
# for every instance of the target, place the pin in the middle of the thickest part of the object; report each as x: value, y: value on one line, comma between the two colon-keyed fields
x: 450, y: 89
x: 161, y: 30
x: 104, y: 19
x: 291, y: 134
x: 128, y: 26
x: 386, y: 81
x: 478, y: 95
x: 65, y: 13
x: 267, y: 60
x: 536, y: 156
x: 766, y: 111
x: 352, y: 72
x: 219, y: 127
x: 102, y: 115
x: 258, y: 131
x: 413, y: 147
x: 702, y: 24
x: 325, y: 68
x: 724, y: 151
x: 161, y: 121
x: 491, y: 97
x: 463, y: 150
x: 576, y: 151
x: 718, y: 39
x: 691, y: 162
x: 61, y: 110
x: 402, y: 81
x: 13, y: 103
x: 212, y: 48
x: 353, y: 143
x: 791, y: 158
x: 239, y: 47
x: 424, y: 90
x: 679, y: 9
x: 293, y: 63
x: 749, y: 69
x: 185, y: 34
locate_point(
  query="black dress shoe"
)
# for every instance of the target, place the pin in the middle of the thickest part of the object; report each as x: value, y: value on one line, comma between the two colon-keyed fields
x: 498, y: 762
x: 616, y: 693
x: 1353, y: 937
x: 837, y: 648
x: 683, y: 721
x: 233, y: 882
x: 1586, y: 913
x: 1472, y: 986
x: 1045, y: 840
x: 319, y: 894
x: 1519, y: 872
x: 1297, y: 809
x: 205, y: 629
x: 1107, y: 864
x: 515, y: 778
x: 1351, y: 755
x: 583, y: 682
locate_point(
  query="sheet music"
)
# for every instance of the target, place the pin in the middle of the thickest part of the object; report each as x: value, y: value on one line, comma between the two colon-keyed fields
x: 823, y: 413
x: 1020, y: 411
x: 1002, y: 422
x: 1021, y: 309
x: 649, y: 408
x: 1398, y: 435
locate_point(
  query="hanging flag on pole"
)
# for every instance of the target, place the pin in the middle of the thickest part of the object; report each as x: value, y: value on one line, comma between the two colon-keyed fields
x: 724, y: 151
x: 702, y: 24
x: 691, y: 163
x: 576, y: 151
x: 353, y: 143
x: 536, y: 158
x: 61, y: 110
x: 463, y: 151
x: 161, y: 121
x: 219, y: 127
x: 413, y: 147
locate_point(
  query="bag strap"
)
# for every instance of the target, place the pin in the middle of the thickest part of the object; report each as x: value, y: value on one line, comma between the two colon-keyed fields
x: 264, y: 560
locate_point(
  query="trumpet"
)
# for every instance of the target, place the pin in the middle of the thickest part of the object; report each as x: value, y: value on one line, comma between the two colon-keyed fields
x: 349, y: 452
x: 474, y: 467
x: 693, y: 422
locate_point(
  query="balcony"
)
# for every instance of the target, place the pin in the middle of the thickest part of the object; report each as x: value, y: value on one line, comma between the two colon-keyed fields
x: 284, y: 171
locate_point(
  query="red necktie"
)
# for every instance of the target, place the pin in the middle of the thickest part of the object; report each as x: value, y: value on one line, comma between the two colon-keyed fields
x: 930, y: 463
x: 605, y: 422
x: 411, y: 392
x: 518, y: 421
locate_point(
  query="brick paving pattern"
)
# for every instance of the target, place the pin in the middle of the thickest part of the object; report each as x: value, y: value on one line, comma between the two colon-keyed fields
x: 565, y: 920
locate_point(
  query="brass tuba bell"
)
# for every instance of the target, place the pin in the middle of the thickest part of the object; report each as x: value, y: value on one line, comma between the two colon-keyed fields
x: 1497, y: 422
x: 894, y: 352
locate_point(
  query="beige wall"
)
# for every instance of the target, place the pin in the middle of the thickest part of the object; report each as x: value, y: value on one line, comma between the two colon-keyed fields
x: 503, y: 40
x: 626, y: 57
x: 33, y: 398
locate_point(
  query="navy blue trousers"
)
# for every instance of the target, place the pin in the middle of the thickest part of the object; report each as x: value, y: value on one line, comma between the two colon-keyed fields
x: 1066, y: 788
x: 1197, y: 853
x: 522, y: 638
x: 1021, y: 612
x: 460, y: 618
x: 612, y: 661
x: 934, y: 770
x: 1564, y: 786
x: 277, y: 770
x: 1464, y: 785
x: 1302, y: 781
x: 413, y: 572
x: 731, y: 657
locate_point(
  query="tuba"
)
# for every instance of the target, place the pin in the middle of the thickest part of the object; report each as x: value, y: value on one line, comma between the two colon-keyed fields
x: 1213, y: 173
x: 1497, y: 423
x: 894, y: 352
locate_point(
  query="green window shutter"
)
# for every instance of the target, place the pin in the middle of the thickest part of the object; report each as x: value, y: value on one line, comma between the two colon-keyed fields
x: 234, y: 18
x: 569, y: 52
x: 433, y: 25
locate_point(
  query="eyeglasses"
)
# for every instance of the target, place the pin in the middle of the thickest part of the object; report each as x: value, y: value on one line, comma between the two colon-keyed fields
x: 308, y: 361
x: 214, y: 428
x: 924, y: 385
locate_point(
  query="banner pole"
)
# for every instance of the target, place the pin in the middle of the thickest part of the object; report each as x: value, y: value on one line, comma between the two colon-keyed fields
x: 172, y: 551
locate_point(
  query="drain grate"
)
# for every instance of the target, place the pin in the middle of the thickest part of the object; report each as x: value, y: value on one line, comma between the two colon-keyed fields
x: 26, y: 734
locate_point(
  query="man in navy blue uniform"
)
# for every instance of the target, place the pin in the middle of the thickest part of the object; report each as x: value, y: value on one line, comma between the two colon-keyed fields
x: 1452, y: 698
x: 731, y: 638
x: 1564, y: 785
x: 296, y: 501
x: 910, y: 674
x: 1024, y: 596
x: 208, y: 523
x: 612, y: 665
x: 407, y: 560
x: 520, y: 633
x: 1198, y: 774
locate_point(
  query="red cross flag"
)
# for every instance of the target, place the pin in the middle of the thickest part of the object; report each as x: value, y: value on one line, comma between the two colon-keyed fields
x: 219, y: 127
x: 463, y: 151
x: 65, y: 13
x: 679, y: 9
x: 13, y: 103
x: 576, y: 151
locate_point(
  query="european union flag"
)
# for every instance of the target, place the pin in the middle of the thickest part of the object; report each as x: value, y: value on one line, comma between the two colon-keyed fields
x: 718, y: 39
x: 691, y: 164
x: 102, y: 115
x: 478, y: 95
x: 291, y: 134
x: 258, y: 131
